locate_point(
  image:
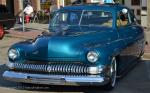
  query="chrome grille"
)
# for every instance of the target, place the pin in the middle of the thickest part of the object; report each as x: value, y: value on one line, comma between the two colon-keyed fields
x: 67, y: 68
x: 54, y: 68
x: 31, y: 67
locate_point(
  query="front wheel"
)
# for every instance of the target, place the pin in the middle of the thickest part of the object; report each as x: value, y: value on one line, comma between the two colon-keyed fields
x: 112, y: 74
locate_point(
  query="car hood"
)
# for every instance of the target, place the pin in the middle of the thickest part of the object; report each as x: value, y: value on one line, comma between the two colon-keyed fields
x: 69, y: 45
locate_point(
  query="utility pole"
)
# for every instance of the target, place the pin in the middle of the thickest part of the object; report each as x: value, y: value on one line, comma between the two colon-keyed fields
x: 148, y: 15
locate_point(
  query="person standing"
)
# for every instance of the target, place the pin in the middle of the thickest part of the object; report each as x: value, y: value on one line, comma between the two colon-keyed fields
x: 28, y: 11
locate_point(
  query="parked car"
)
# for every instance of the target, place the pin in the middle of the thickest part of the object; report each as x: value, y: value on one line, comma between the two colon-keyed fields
x: 1, y: 31
x: 7, y: 20
x: 86, y: 45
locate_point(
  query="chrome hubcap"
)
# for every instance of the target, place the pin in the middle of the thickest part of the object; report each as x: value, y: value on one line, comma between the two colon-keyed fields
x: 113, y: 72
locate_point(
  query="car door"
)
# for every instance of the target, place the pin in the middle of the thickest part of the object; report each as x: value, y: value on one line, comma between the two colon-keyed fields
x: 139, y: 36
x: 128, y: 34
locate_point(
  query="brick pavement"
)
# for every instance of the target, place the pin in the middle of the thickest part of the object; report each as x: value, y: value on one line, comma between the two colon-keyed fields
x: 147, y: 49
x: 26, y: 35
x: 31, y: 30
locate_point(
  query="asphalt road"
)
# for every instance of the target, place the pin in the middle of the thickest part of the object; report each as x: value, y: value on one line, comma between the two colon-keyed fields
x: 136, y: 81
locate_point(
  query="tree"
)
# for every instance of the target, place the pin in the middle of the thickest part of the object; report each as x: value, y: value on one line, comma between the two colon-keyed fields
x: 67, y: 2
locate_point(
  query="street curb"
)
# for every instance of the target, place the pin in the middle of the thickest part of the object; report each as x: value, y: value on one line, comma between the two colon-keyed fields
x: 146, y: 56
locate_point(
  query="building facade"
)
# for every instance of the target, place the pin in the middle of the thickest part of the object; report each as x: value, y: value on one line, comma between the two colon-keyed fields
x: 139, y: 7
x: 16, y: 6
x: 144, y: 13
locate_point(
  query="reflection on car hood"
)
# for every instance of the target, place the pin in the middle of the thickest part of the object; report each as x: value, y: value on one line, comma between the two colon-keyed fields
x: 72, y: 45
x: 65, y: 45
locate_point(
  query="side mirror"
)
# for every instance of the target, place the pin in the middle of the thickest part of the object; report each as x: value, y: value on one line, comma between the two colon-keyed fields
x: 124, y: 11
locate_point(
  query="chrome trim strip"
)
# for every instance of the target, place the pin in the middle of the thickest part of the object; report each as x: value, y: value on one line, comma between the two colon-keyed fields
x: 55, y: 79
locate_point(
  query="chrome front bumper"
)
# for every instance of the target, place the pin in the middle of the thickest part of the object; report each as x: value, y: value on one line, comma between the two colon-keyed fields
x: 55, y: 79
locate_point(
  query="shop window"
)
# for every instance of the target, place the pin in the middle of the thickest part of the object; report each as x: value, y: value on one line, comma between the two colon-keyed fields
x: 139, y: 21
x: 132, y: 11
x: 138, y: 12
x: 123, y: 2
x: 135, y: 2
x: 144, y: 8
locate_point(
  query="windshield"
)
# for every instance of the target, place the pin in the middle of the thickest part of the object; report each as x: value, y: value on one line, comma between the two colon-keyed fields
x: 82, y: 18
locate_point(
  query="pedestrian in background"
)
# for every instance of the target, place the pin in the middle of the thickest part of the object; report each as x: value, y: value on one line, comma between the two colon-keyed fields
x: 28, y: 11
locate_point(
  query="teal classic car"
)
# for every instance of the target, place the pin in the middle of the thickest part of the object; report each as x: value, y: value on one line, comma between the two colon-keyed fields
x: 86, y: 45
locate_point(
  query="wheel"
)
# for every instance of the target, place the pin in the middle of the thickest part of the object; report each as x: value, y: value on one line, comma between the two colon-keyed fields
x: 112, y: 74
x: 1, y: 31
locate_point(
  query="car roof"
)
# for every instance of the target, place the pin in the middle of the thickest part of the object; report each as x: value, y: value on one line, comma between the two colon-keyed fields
x: 106, y: 7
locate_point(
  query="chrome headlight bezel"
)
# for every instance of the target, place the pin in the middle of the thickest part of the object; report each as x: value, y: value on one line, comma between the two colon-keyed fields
x: 13, y: 54
x: 92, y: 56
x: 96, y: 70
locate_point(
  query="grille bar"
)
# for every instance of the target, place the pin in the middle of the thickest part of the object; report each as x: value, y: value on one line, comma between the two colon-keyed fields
x: 54, y: 68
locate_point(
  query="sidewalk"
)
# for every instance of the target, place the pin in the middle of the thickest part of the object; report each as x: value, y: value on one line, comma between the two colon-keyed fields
x: 31, y: 30
x: 147, y: 47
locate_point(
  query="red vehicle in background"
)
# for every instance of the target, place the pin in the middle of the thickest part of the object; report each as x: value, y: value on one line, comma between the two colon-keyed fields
x: 7, y: 20
x: 1, y: 31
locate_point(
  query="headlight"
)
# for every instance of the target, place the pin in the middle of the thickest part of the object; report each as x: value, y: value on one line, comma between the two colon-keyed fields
x: 92, y: 56
x: 13, y: 54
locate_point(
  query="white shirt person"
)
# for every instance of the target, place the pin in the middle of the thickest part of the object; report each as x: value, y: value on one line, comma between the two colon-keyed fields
x: 28, y: 10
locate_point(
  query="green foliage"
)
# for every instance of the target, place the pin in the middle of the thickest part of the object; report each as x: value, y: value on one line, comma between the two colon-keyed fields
x: 67, y: 2
x: 117, y: 1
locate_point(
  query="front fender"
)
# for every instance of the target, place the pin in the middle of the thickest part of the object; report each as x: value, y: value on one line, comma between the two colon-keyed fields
x: 109, y: 50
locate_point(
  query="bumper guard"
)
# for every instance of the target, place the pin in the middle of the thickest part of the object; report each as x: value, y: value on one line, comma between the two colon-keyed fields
x: 55, y: 79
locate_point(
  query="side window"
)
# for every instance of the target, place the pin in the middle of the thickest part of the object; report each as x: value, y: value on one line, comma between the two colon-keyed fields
x: 3, y: 9
x: 63, y: 17
x: 97, y: 18
x: 60, y: 18
x: 74, y: 18
x: 123, y: 18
